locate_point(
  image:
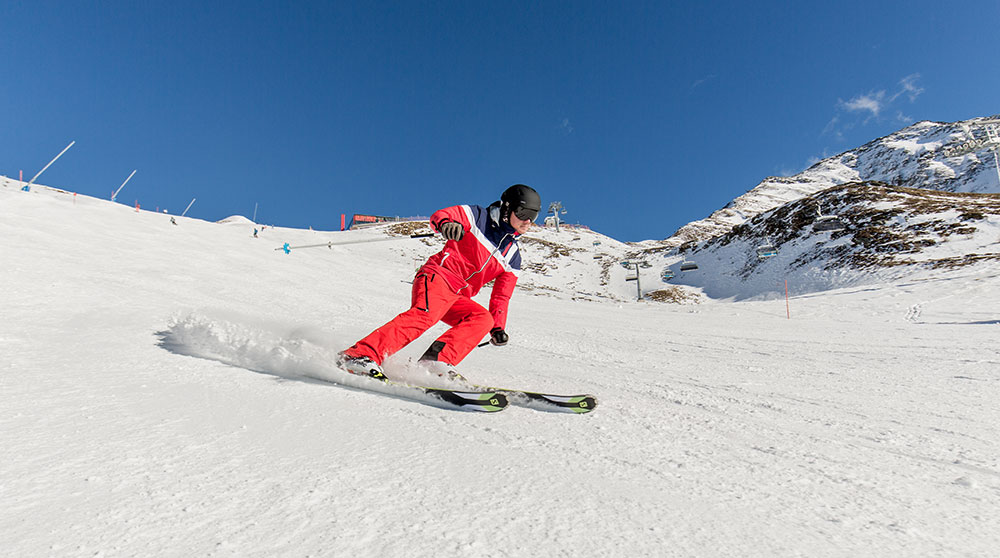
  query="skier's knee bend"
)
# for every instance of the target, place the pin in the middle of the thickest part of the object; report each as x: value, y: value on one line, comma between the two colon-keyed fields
x: 482, y: 323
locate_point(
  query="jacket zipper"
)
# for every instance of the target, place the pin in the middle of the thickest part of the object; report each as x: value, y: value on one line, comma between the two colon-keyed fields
x: 467, y: 279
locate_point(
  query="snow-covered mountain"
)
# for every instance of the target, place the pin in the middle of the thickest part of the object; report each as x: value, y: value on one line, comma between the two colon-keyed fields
x: 884, y: 233
x: 919, y: 201
x: 918, y: 156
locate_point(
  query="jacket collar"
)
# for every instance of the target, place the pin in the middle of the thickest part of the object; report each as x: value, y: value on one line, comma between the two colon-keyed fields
x: 504, y: 228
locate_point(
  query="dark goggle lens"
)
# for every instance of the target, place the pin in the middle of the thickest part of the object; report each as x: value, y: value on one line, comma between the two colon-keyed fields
x: 525, y: 214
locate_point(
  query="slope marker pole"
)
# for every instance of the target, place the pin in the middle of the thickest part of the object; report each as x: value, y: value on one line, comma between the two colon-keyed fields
x: 27, y: 187
x: 115, y: 195
x: 788, y: 308
x: 189, y: 206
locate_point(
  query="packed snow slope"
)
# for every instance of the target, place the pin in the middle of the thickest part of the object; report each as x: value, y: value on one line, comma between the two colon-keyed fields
x: 167, y: 390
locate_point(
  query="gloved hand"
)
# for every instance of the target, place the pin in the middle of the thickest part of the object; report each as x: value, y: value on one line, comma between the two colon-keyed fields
x: 498, y: 336
x: 452, y: 231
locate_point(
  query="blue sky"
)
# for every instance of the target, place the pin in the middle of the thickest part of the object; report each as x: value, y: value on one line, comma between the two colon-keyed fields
x: 638, y: 116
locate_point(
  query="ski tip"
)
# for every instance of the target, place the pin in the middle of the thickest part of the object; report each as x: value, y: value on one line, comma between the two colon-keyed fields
x: 585, y: 404
x: 579, y: 404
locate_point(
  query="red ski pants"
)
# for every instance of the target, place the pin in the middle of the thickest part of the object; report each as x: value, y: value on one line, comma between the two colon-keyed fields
x: 431, y: 301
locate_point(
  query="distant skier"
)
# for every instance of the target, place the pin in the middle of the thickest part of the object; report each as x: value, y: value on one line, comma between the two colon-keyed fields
x: 481, y: 247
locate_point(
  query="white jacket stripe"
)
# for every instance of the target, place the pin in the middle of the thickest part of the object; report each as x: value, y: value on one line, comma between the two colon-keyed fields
x: 501, y: 259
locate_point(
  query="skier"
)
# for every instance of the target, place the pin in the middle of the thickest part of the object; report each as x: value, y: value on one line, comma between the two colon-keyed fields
x: 481, y: 246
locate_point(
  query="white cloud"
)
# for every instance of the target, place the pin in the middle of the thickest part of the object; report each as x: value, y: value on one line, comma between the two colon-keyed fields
x: 873, y: 106
x: 699, y: 82
x: 565, y: 126
x: 908, y: 86
x: 836, y: 127
x: 872, y: 102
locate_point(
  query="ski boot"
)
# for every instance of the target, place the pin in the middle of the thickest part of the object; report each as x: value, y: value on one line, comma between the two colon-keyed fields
x: 362, y: 366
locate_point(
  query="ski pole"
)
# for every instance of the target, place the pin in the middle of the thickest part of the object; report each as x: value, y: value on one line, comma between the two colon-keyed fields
x: 331, y: 244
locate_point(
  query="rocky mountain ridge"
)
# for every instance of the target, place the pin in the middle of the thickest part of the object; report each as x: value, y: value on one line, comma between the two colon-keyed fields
x: 881, y: 233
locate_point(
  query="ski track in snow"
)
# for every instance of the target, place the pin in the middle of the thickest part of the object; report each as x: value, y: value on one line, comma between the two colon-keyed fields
x: 158, y: 396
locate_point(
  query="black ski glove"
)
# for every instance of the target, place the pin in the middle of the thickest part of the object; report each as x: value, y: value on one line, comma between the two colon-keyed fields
x: 452, y: 230
x: 498, y: 336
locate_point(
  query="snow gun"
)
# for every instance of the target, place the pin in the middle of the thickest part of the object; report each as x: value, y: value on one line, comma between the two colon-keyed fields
x: 331, y: 244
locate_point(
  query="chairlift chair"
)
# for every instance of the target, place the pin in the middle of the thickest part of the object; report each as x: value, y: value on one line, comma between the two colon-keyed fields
x: 828, y: 223
x: 766, y: 251
x: 688, y: 266
x: 667, y: 274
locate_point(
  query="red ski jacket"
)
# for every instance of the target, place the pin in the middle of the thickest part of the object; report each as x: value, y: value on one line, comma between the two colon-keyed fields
x: 488, y: 251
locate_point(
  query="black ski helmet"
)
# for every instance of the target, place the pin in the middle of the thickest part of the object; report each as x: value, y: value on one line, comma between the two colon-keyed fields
x: 521, y: 200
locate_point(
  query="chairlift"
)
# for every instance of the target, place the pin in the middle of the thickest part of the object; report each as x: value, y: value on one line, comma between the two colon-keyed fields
x: 667, y: 274
x: 766, y: 251
x: 688, y: 266
x: 828, y: 223
x: 627, y: 265
x: 597, y: 243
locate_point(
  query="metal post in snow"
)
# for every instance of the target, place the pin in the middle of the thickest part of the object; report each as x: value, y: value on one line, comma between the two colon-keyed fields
x: 115, y: 195
x: 189, y: 206
x: 996, y: 161
x: 638, y: 288
x: 27, y: 187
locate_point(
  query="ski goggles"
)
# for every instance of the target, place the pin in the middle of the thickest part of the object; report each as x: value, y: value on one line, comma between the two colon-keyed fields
x: 525, y: 213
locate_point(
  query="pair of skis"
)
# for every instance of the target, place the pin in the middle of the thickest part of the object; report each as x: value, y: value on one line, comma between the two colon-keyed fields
x: 491, y: 400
